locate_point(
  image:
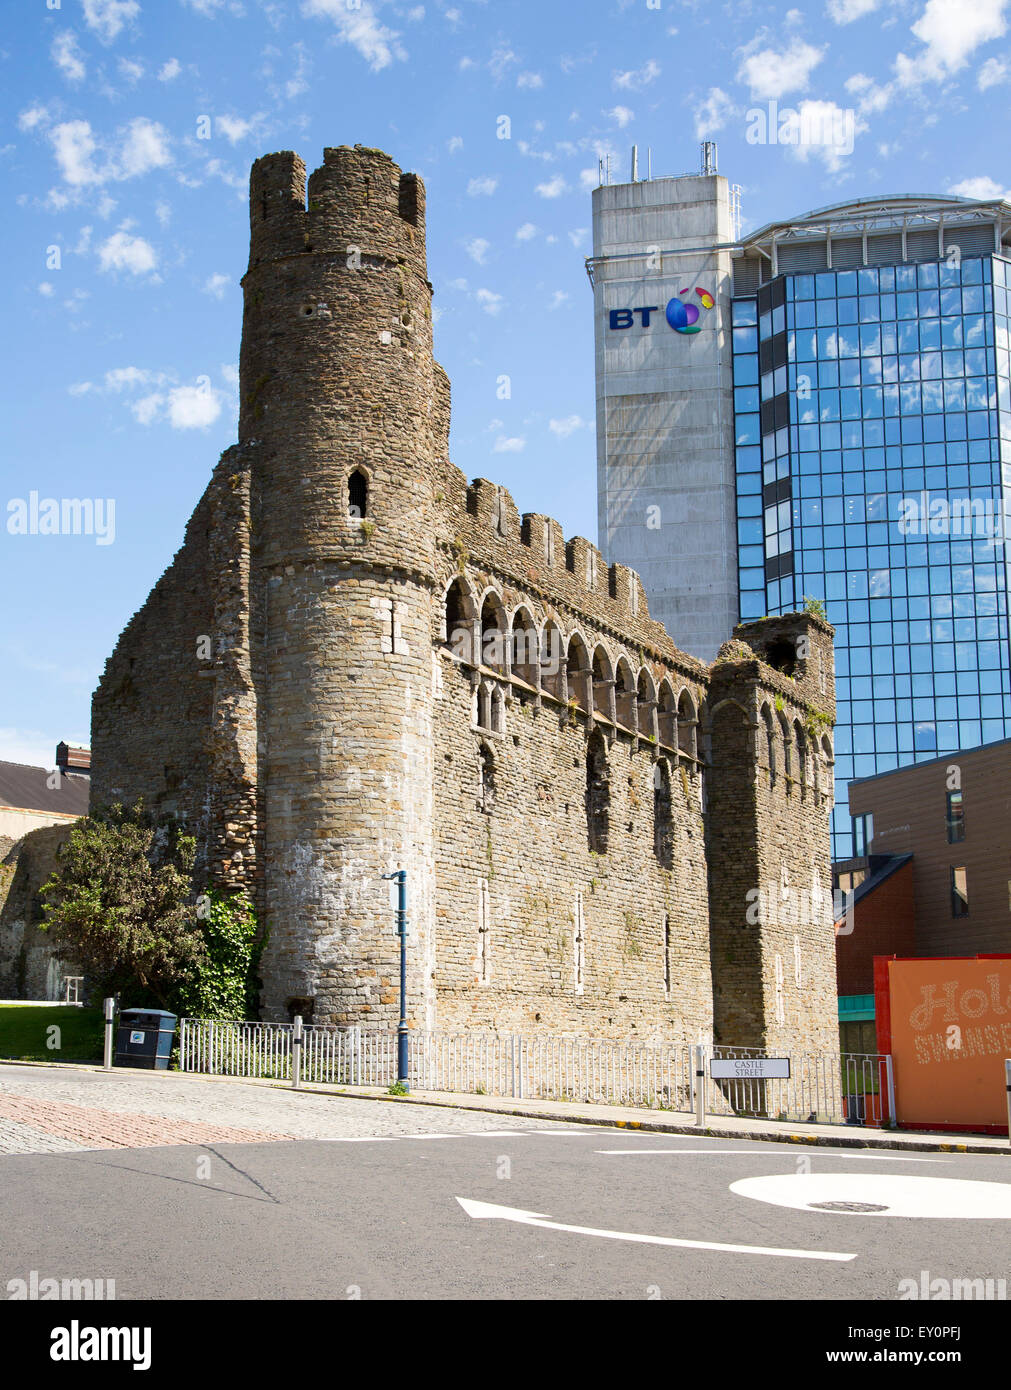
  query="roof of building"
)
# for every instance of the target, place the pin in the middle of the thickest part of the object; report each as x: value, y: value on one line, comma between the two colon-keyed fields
x: 27, y: 789
x: 883, y: 869
x: 927, y: 762
x: 880, y: 215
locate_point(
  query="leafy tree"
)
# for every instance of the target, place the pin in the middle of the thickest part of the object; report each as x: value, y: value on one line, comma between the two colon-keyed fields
x: 120, y: 904
x: 224, y: 983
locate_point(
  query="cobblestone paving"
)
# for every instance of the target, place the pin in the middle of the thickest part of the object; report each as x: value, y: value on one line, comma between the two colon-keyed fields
x: 45, y: 1110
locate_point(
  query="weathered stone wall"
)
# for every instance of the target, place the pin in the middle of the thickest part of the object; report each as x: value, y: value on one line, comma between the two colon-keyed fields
x: 339, y: 728
x: 769, y: 799
x: 174, y: 718
x: 516, y: 876
x: 28, y: 967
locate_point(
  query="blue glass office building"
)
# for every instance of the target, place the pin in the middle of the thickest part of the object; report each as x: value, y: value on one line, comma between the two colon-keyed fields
x: 872, y: 409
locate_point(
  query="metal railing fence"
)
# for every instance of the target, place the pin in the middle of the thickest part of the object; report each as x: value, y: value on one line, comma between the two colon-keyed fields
x: 826, y: 1086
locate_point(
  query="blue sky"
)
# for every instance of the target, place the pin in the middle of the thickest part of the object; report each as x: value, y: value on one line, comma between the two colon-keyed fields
x: 128, y: 131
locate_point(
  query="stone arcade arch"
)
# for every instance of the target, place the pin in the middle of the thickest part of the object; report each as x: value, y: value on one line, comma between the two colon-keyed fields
x: 578, y: 673
x: 666, y: 715
x: 603, y: 684
x: 459, y: 620
x: 494, y: 634
x: 598, y: 794
x: 663, y: 815
x: 525, y: 648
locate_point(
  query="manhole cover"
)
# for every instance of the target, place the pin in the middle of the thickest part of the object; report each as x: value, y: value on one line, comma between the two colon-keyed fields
x: 846, y: 1206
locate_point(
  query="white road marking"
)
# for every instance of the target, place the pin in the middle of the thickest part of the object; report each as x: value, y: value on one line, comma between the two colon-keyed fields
x: 361, y: 1139
x: 488, y: 1210
x: 779, y: 1153
x: 895, y: 1195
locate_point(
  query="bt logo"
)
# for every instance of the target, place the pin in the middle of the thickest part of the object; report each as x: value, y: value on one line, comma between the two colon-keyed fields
x: 682, y: 316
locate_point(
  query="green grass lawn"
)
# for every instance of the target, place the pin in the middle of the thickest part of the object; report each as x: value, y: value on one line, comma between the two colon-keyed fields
x: 25, y: 1035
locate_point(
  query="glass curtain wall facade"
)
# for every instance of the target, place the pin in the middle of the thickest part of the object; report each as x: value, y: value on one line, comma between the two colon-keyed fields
x: 870, y: 405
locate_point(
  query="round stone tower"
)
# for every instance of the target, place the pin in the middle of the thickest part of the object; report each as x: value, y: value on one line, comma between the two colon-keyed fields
x: 342, y: 418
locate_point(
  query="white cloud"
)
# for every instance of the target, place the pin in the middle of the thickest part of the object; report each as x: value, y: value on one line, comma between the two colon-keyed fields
x: 826, y: 132
x: 950, y: 31
x: 360, y: 28
x: 554, y: 188
x: 980, y: 189
x: 131, y: 70
x: 530, y: 80
x: 558, y: 299
x: 482, y: 188
x: 500, y: 61
x: 32, y: 117
x: 108, y: 17
x: 637, y: 78
x: 216, y: 284
x: 528, y: 151
x: 46, y: 290
x: 75, y: 146
x: 145, y: 146
x: 713, y: 113
x: 621, y: 114
x: 846, y: 11
x: 193, y: 407
x: 478, y: 249
x: 454, y: 143
x: 234, y: 128
x: 140, y: 146
x: 145, y: 411
x: 182, y: 407
x: 527, y: 232
x: 571, y: 423
x: 504, y: 445
x: 128, y: 378
x: 771, y: 75
x: 578, y: 235
x: 871, y: 96
x: 588, y: 179
x: 417, y: 14
x: 991, y: 74
x: 122, y: 251
x: 68, y: 57
x: 170, y: 70
x: 490, y: 302
x: 163, y: 213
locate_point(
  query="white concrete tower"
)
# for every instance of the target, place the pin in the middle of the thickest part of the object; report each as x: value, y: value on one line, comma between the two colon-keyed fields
x: 664, y: 388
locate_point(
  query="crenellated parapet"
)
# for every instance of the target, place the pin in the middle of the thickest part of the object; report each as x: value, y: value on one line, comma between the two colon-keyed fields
x: 358, y: 199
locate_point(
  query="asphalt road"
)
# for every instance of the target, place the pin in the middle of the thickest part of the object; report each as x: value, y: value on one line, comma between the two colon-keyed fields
x: 381, y: 1217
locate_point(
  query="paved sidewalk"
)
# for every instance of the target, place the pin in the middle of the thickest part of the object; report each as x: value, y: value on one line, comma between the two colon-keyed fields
x: 61, y: 1108
x: 320, y: 1112
x: 716, y: 1127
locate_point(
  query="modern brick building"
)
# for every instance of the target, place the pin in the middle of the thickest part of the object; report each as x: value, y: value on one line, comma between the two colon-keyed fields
x: 358, y: 661
x: 934, y: 874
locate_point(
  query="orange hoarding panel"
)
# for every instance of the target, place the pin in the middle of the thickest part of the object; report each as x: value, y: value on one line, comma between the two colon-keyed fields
x: 950, y: 1020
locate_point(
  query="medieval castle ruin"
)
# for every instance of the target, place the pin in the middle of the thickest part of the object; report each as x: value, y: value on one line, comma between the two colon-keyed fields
x: 358, y: 661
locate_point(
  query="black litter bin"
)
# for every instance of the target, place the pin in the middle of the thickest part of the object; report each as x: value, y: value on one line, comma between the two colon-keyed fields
x: 145, y: 1038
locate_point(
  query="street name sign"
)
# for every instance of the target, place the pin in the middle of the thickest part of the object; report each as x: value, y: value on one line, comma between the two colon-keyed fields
x: 750, y: 1068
